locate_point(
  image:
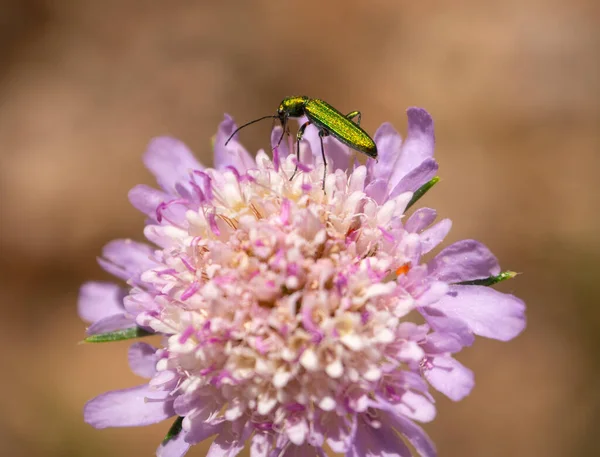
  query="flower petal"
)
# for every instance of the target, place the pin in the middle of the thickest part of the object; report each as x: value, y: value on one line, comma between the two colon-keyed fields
x: 306, y: 450
x: 131, y: 407
x: 126, y: 259
x: 415, y: 178
x: 111, y: 323
x: 463, y: 261
x: 98, y: 300
x: 171, y: 161
x: 338, y: 155
x: 146, y: 199
x: 486, y: 311
x: 234, y: 154
x: 377, y: 190
x: 416, y: 406
x: 434, y: 235
x: 142, y: 359
x: 378, y: 442
x: 450, y: 327
x: 389, y: 143
x: 420, y: 219
x: 450, y: 377
x: 417, y: 147
x: 414, y: 434
x: 175, y: 447
x: 229, y: 443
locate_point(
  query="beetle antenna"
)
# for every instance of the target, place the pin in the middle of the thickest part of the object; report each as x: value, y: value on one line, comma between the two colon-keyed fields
x: 285, y: 130
x: 246, y: 125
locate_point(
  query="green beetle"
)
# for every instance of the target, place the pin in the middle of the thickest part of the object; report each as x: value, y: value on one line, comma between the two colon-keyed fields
x: 327, y: 119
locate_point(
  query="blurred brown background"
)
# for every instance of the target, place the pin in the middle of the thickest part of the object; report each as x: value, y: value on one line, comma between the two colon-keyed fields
x: 513, y: 88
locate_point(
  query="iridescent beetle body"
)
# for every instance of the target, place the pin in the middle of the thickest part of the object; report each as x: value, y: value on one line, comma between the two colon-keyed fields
x: 328, y: 120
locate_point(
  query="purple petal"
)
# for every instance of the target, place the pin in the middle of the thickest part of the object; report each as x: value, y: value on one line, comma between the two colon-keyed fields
x: 146, y: 199
x: 285, y: 147
x: 464, y: 261
x: 389, y: 143
x: 338, y: 155
x: 131, y: 407
x: 306, y: 450
x: 420, y: 219
x: 187, y: 403
x: 98, y: 300
x: 416, y: 177
x: 383, y: 441
x: 432, y: 293
x: 198, y: 430
x: 414, y: 434
x: 416, y: 406
x: 111, y: 323
x: 440, y: 343
x: 311, y: 137
x: 175, y: 447
x: 126, y: 259
x: 171, y: 162
x: 260, y: 445
x: 377, y: 190
x: 433, y: 236
x: 229, y: 443
x: 486, y: 311
x: 450, y: 377
x: 453, y: 328
x: 417, y: 147
x: 234, y: 154
x: 142, y: 359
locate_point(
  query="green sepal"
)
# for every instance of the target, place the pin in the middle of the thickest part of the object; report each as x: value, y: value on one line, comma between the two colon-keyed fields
x: 174, y: 430
x: 422, y: 190
x: 118, y: 335
x: 489, y: 281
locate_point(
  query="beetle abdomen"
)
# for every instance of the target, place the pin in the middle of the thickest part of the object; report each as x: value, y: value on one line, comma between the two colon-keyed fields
x: 326, y: 117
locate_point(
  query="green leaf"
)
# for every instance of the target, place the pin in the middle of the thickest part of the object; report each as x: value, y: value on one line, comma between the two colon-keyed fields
x: 489, y: 281
x: 117, y: 335
x: 174, y: 430
x: 422, y: 190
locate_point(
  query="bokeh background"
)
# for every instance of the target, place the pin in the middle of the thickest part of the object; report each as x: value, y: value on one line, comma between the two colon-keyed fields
x: 513, y: 87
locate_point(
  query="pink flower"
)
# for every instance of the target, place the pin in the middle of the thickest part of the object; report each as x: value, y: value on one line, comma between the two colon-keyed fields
x: 284, y: 309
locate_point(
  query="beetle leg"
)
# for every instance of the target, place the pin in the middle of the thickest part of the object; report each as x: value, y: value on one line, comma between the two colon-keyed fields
x: 354, y: 114
x: 323, y: 133
x: 299, y: 136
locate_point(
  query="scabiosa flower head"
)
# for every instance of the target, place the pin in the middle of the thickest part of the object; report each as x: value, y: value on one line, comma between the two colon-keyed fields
x: 287, y: 310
